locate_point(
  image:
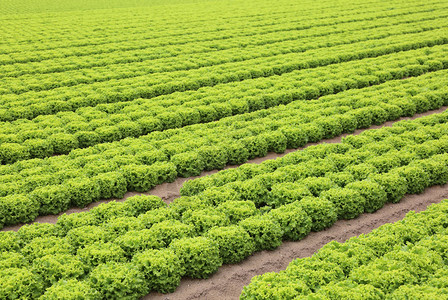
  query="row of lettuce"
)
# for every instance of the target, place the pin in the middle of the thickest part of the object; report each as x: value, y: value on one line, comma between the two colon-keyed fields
x: 131, y: 52
x: 89, y: 126
x: 32, y: 104
x: 137, y: 32
x: 126, y: 249
x: 318, y: 45
x: 175, y: 35
x: 403, y: 260
x: 48, y: 186
x: 410, y: 149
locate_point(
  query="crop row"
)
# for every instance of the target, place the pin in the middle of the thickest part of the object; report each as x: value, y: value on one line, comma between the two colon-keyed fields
x: 403, y: 260
x: 187, y: 62
x: 109, y: 170
x: 61, y: 133
x: 162, y: 23
x: 372, y: 152
x: 127, y: 249
x: 31, y: 104
x: 174, y: 56
x: 370, y: 106
x: 137, y: 22
x: 218, y: 30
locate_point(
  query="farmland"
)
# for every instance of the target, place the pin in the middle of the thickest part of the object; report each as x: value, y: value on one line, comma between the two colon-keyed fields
x: 400, y: 260
x: 104, y: 101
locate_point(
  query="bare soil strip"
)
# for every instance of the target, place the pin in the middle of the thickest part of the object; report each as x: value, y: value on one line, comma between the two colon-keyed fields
x: 170, y: 191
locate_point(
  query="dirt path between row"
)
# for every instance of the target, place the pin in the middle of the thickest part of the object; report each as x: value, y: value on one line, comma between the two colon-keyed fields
x: 170, y: 191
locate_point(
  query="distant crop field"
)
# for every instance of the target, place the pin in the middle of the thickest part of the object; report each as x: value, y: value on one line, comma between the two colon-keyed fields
x: 116, y: 115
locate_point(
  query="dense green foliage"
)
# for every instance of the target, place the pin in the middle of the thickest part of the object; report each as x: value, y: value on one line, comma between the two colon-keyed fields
x: 404, y: 260
x: 109, y: 170
x: 101, y: 98
x: 126, y: 249
x: 89, y: 126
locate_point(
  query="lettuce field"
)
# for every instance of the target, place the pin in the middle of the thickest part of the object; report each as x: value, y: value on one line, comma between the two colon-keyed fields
x: 262, y: 123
